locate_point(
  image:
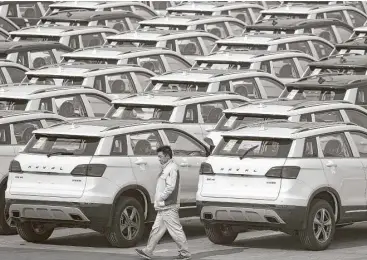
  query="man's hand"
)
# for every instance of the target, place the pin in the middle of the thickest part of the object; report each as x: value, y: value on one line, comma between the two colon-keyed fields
x: 159, y: 204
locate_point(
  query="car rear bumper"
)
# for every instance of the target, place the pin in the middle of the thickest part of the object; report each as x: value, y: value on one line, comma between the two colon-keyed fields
x: 254, y: 216
x: 67, y: 214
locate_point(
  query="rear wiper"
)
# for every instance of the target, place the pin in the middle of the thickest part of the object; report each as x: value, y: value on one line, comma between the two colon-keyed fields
x: 248, y: 150
x: 59, y: 153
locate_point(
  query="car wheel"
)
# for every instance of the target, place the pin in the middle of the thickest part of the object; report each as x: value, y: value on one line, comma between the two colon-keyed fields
x: 220, y: 234
x: 34, y: 232
x: 128, y: 223
x: 320, y: 226
x: 5, y: 229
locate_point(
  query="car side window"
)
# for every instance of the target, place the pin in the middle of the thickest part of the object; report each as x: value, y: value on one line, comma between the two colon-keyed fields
x: 119, y: 145
x: 361, y: 96
x: 190, y: 46
x: 23, y: 59
x: 306, y: 118
x: 45, y: 104
x: 117, y: 24
x: 285, y: 68
x: 41, y: 58
x: 272, y: 88
x: 218, y: 29
x: 176, y: 63
x: 303, y: 62
x: 326, y: 33
x: 343, y: 32
x: 212, y: 112
x: 16, y: 74
x: 134, y: 22
x: 92, y: 39
x: 328, y: 116
x: 120, y: 83
x: 99, y: 105
x: 335, y: 145
x: 322, y: 49
x: 237, y: 103
x: 143, y: 11
x: 29, y: 10
x: 302, y: 46
x: 243, y: 15
x: 357, y: 18
x: 23, y: 130
x: 74, y: 42
x: 70, y: 106
x: 143, y: 79
x: 183, y: 145
x: 53, y: 121
x: 209, y: 43
x: 360, y: 140
x: 191, y: 114
x: 357, y: 117
x: 5, y: 136
x: 310, y: 148
x: 12, y: 10
x: 236, y: 28
x: 265, y: 66
x: 152, y: 63
x: 336, y: 15
x: 145, y: 143
x: 246, y: 87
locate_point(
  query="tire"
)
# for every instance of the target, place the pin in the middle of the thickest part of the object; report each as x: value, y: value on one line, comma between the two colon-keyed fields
x: 344, y: 225
x: 5, y: 229
x: 28, y: 232
x: 220, y: 234
x: 121, y: 238
x: 308, y: 237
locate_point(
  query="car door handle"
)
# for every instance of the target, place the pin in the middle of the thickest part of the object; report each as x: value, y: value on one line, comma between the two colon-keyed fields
x: 331, y: 164
x: 184, y: 164
x: 140, y: 162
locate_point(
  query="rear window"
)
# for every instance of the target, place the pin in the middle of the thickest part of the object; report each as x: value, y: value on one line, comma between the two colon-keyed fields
x: 258, y: 47
x: 222, y: 65
x: 72, y: 81
x: 34, y: 38
x: 190, y: 86
x: 229, y: 122
x: 13, y: 104
x: 314, y: 94
x: 254, y: 147
x: 90, y: 60
x: 140, y: 113
x: 63, y: 145
x: 268, y: 16
x: 134, y: 43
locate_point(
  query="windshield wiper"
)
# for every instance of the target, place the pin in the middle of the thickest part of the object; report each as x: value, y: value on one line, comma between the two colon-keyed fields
x: 248, y: 150
x: 59, y: 153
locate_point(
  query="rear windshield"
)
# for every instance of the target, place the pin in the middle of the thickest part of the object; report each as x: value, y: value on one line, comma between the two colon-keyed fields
x: 222, y: 65
x: 313, y: 94
x: 189, y: 86
x: 254, y: 147
x: 13, y: 104
x: 134, y: 43
x: 90, y: 60
x: 268, y: 16
x: 35, y: 38
x: 228, y: 46
x: 140, y: 112
x: 62, y: 144
x: 230, y: 121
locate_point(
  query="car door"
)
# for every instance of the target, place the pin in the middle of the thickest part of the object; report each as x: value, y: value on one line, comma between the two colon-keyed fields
x: 143, y: 157
x: 191, y: 122
x: 7, y: 150
x: 357, y: 117
x: 285, y: 69
x: 344, y: 171
x: 210, y: 113
x: 96, y: 106
x: 188, y: 153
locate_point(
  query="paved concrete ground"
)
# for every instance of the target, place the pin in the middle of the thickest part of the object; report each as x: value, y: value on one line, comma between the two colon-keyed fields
x: 77, y: 244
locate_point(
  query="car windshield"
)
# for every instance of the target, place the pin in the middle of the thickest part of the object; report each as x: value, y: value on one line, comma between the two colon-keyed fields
x: 265, y: 147
x: 313, y: 94
x: 179, y: 86
x: 62, y: 145
x: 222, y: 65
x: 140, y: 112
x: 54, y: 80
x: 39, y: 38
x: 13, y: 104
x: 230, y: 121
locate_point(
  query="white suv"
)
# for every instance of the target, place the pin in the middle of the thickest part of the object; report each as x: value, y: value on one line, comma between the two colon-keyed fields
x: 300, y: 178
x: 15, y: 131
x: 108, y: 182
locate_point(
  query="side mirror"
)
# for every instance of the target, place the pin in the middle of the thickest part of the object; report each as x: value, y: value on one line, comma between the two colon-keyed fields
x: 210, y: 142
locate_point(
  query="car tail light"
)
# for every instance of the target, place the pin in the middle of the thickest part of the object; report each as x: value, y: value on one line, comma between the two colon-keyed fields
x: 283, y: 172
x: 91, y: 170
x: 15, y: 167
x: 206, y: 169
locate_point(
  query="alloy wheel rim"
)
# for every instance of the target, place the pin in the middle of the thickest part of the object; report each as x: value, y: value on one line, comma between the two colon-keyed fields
x: 322, y: 225
x: 39, y: 228
x: 129, y: 223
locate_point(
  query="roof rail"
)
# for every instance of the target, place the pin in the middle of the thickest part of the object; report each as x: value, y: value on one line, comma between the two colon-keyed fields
x: 340, y: 55
x: 320, y: 103
x: 66, y: 11
x: 16, y: 84
x: 55, y: 65
x: 320, y: 76
x: 56, y: 88
x: 323, y: 125
x: 132, y: 124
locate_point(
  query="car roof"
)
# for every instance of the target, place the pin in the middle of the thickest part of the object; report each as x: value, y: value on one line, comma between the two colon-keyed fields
x: 354, y: 43
x: 78, y: 69
x: 93, y: 4
x: 360, y: 29
x: 15, y: 114
x: 250, y: 55
x: 59, y: 30
x: 11, y: 47
x: 351, y: 60
x: 186, y: 20
x: 102, y: 127
x: 306, y: 9
x: 212, y: 6
x: 77, y: 15
x: 289, y: 130
x: 206, y: 75
x: 281, y: 107
x: 158, y: 35
x: 330, y: 81
x: 294, y: 24
x: 175, y: 98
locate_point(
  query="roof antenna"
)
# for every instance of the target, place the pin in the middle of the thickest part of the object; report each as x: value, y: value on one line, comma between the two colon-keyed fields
x: 342, y: 59
x: 321, y: 80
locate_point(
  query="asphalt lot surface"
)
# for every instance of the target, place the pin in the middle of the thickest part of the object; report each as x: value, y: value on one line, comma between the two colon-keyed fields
x: 350, y: 243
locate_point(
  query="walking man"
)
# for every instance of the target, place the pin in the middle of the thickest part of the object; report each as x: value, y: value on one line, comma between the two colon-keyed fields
x: 167, y: 204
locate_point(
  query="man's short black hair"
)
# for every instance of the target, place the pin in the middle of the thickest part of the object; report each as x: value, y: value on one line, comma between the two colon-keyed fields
x: 166, y: 150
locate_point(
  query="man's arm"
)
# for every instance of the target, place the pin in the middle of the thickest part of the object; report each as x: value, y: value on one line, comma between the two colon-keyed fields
x: 170, y: 184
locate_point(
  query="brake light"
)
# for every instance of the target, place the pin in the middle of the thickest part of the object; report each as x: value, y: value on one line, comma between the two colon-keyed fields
x: 206, y: 169
x: 91, y: 170
x: 283, y: 172
x: 15, y: 167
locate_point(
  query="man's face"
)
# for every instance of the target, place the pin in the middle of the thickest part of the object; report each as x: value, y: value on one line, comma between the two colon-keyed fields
x: 163, y: 159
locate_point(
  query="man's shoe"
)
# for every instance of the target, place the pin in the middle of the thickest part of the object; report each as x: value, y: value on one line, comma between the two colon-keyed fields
x: 182, y: 257
x: 143, y: 255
